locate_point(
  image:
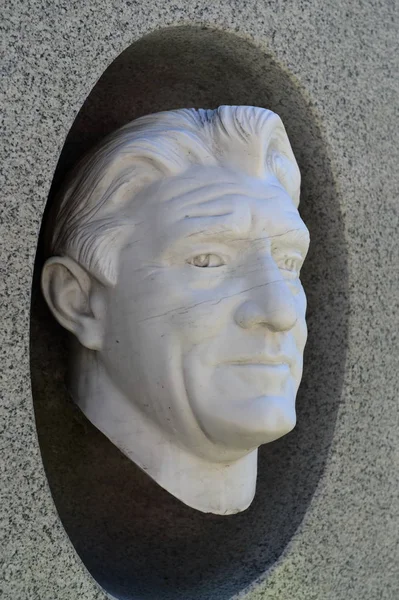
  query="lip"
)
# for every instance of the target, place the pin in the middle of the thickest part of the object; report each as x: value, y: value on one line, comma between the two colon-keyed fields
x: 275, y: 361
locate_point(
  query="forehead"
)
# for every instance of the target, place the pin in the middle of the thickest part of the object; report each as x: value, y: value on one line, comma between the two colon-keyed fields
x: 213, y: 192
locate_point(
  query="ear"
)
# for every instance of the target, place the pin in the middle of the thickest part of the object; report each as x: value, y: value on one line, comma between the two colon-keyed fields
x: 76, y: 300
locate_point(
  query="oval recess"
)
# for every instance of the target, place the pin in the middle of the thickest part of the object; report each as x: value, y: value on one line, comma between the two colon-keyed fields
x: 135, y: 539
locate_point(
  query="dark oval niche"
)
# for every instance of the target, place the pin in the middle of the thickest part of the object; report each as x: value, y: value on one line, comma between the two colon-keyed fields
x: 135, y: 539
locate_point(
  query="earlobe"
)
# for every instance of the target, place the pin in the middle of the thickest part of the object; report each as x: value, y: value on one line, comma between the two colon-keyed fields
x: 75, y: 300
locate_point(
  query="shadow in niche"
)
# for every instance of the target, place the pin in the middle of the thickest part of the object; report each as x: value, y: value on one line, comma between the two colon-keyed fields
x: 137, y: 540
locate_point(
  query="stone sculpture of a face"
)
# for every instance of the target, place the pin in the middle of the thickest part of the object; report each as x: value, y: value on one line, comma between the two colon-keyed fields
x: 177, y: 247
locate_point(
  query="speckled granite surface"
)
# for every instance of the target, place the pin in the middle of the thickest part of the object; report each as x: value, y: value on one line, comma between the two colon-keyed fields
x: 325, y: 525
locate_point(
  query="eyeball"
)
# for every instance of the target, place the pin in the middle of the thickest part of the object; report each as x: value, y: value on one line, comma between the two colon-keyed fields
x: 206, y: 260
x: 290, y: 266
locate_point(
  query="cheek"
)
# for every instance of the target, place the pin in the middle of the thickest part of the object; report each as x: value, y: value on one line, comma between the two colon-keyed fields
x: 206, y: 280
x: 165, y: 291
x: 300, y: 331
x: 301, y: 303
x: 181, y: 293
x: 181, y: 303
x: 199, y: 323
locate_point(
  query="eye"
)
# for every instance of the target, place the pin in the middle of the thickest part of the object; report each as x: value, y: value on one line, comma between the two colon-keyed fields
x: 206, y: 260
x: 290, y: 265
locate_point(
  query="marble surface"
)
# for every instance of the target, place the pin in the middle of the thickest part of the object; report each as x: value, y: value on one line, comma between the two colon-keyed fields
x: 188, y: 355
x: 336, y: 67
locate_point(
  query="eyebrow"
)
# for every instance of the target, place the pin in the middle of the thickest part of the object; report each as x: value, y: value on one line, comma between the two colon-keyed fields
x: 226, y: 223
x: 298, y: 235
x: 205, y: 195
x: 213, y: 225
x: 219, y: 221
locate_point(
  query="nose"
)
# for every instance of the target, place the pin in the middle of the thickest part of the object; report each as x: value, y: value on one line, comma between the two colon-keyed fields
x: 272, y: 305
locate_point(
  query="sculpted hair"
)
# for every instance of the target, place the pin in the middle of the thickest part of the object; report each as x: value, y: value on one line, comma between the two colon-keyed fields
x: 88, y: 222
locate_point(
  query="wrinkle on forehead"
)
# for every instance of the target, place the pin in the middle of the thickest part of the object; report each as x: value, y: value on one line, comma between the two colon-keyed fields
x: 235, y: 220
x: 207, y: 184
x: 244, y: 224
x: 217, y: 200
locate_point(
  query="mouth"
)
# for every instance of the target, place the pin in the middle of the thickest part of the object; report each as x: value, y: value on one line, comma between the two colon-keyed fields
x: 269, y: 361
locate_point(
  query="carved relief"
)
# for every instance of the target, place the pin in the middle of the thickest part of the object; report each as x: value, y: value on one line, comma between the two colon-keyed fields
x: 175, y: 252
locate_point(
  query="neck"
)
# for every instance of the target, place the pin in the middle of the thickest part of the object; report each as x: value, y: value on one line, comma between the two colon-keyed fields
x: 219, y: 488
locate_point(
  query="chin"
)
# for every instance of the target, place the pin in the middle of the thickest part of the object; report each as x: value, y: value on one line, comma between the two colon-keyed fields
x: 276, y: 416
x: 250, y: 424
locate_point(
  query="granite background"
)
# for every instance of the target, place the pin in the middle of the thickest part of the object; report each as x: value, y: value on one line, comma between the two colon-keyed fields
x: 336, y: 527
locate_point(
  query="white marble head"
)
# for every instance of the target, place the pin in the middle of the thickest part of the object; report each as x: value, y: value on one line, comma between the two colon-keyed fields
x: 176, y: 248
